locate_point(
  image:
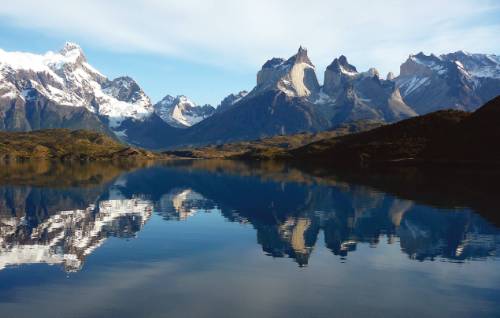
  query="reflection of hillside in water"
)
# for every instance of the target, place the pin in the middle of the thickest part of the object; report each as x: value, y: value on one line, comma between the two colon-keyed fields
x: 287, y: 208
x: 424, y: 233
x: 289, y: 213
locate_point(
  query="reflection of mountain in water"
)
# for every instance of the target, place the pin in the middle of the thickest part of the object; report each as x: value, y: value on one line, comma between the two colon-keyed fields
x: 179, y: 204
x: 289, y: 216
x: 63, y: 226
x: 65, y: 237
x: 425, y: 233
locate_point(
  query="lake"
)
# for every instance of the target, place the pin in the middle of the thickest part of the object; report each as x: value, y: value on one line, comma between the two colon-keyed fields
x: 228, y: 239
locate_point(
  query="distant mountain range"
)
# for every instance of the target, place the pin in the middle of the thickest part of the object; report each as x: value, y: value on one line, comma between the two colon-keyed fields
x: 62, y: 90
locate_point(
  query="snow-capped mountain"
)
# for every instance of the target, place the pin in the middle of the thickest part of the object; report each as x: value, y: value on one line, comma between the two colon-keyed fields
x: 356, y: 96
x: 32, y: 87
x: 477, y: 65
x: 181, y: 112
x: 62, y: 90
x: 230, y: 101
x: 457, y: 80
x: 288, y: 99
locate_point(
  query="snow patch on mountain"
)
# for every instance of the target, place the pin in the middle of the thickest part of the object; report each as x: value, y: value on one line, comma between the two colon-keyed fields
x: 181, y: 112
x: 231, y: 100
x: 477, y: 65
x: 67, y: 79
x: 408, y: 85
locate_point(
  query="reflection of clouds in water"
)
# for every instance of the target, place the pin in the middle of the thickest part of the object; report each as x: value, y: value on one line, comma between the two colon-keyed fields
x: 346, y: 215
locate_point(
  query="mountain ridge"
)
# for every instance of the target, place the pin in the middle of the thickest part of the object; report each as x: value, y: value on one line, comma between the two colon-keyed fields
x: 62, y: 90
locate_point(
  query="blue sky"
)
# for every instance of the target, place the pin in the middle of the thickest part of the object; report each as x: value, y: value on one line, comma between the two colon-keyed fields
x: 207, y: 49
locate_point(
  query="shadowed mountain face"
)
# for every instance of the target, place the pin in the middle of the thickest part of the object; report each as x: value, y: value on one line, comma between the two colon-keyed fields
x: 440, y: 137
x: 62, y: 90
x: 459, y: 80
x: 288, y: 99
x: 290, y: 210
x: 270, y: 113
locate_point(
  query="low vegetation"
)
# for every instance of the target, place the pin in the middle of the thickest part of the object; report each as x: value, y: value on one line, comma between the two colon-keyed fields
x: 65, y: 144
x: 443, y: 137
x: 268, y: 148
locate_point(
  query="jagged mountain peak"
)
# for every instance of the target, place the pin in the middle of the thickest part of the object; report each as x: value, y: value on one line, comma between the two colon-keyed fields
x: 337, y: 74
x: 71, y: 48
x: 478, y: 65
x: 372, y: 72
x: 423, y: 56
x: 422, y: 64
x: 167, y: 99
x: 182, y: 112
x: 458, y: 80
x: 295, y: 76
x: 184, y: 99
x: 65, y: 80
x: 300, y: 57
x: 126, y: 89
x: 341, y: 65
x: 70, y: 56
x: 230, y: 100
x: 273, y: 63
x: 361, y: 96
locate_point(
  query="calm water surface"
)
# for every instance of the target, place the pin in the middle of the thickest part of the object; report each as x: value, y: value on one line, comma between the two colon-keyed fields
x: 221, y: 239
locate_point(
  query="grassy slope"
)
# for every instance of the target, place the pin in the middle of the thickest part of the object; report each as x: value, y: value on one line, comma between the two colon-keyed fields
x: 65, y: 144
x: 268, y: 147
x: 444, y: 136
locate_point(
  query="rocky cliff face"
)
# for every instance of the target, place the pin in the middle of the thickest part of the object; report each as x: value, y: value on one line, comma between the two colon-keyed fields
x: 125, y: 89
x: 62, y: 90
x: 353, y: 96
x: 337, y: 74
x: 295, y: 77
x: 457, y: 80
x: 288, y: 99
x: 181, y: 112
x: 229, y: 101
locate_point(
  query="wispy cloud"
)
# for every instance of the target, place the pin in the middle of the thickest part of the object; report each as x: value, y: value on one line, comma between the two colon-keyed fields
x: 245, y: 33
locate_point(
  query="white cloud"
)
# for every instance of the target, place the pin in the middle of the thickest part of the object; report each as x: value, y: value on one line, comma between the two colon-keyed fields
x: 245, y: 33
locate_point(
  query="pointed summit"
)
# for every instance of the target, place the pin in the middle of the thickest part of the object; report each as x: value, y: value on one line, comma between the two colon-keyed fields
x: 181, y: 112
x: 300, y: 57
x: 341, y: 65
x: 125, y: 89
x: 70, y: 46
x: 294, y: 77
x: 338, y: 73
x: 73, y: 51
